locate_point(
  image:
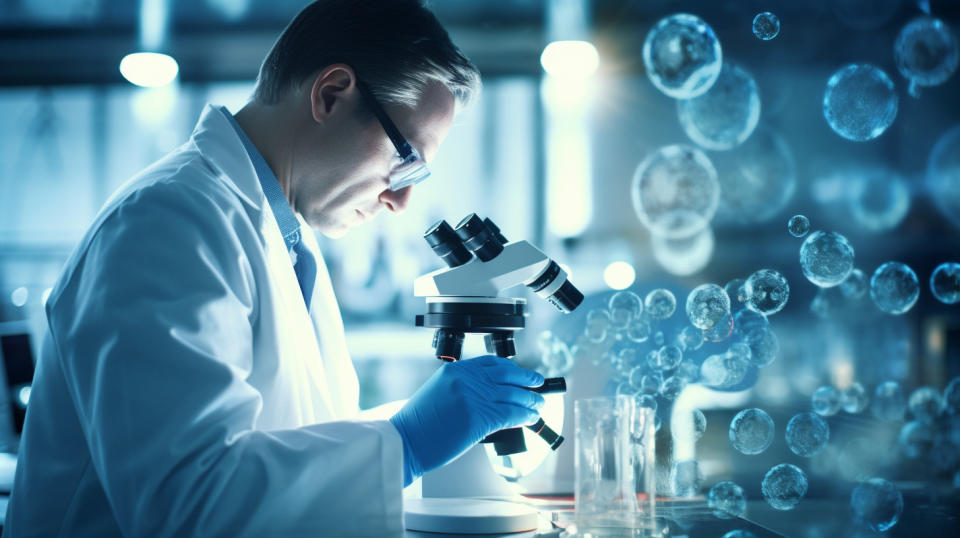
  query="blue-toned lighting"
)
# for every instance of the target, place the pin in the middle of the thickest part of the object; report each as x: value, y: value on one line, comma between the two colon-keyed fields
x: 570, y: 59
x: 149, y: 69
x: 23, y: 395
x: 19, y: 296
x: 619, y: 275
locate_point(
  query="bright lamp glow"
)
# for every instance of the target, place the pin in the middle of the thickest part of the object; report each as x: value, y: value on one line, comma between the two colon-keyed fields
x: 19, y: 296
x: 619, y: 275
x: 149, y: 69
x: 570, y: 59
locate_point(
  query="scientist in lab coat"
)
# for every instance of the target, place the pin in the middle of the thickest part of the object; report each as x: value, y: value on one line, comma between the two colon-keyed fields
x: 194, y: 380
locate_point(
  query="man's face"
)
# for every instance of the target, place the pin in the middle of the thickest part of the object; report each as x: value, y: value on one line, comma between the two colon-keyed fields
x: 348, y: 159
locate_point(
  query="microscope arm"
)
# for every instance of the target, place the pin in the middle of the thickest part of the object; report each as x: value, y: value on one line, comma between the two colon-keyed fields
x: 519, y: 263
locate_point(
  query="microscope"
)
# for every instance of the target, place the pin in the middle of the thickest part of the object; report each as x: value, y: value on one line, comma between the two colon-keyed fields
x: 464, y: 298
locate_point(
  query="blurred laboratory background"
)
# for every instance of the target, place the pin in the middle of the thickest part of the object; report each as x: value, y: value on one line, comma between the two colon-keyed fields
x: 636, y: 166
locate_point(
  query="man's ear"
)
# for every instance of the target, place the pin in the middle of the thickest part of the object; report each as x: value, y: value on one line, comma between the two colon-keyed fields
x: 333, y: 87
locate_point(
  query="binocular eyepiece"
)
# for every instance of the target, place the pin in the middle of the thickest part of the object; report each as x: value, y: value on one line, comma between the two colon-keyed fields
x: 478, y: 237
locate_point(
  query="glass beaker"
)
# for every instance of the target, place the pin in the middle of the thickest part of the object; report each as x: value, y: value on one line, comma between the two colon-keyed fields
x: 614, y: 481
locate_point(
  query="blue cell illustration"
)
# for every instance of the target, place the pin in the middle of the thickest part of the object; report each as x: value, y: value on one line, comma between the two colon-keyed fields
x: 723, y: 370
x: 807, y: 434
x: 646, y: 400
x: 764, y: 347
x: 916, y: 439
x: 757, y: 179
x: 798, y: 225
x: 951, y: 396
x: 682, y: 56
x: 669, y: 357
x: 751, y: 431
x: 766, y: 26
x: 598, y: 322
x: 854, y: 398
x: 684, y: 256
x: 706, y: 305
x: 894, y: 288
x: 558, y: 360
x: 877, y: 504
x: 943, y: 174
x: 925, y: 404
x: 855, y: 285
x: 675, y: 191
x: 721, y: 330
x: 727, y: 500
x: 826, y: 401
x: 783, y: 486
x: 767, y: 292
x: 690, y: 338
x: 926, y: 52
x: 686, y: 478
x: 826, y: 258
x: 734, y: 290
x: 672, y: 387
x: 724, y: 116
x: 945, y: 283
x: 689, y: 370
x: 860, y: 102
x: 624, y: 306
x: 889, y: 402
x: 699, y: 424
x: 660, y: 303
x: 625, y: 389
x: 879, y: 199
x: 739, y: 533
x: 651, y: 383
x: 749, y: 323
x: 659, y: 338
x: 740, y: 350
x: 640, y: 329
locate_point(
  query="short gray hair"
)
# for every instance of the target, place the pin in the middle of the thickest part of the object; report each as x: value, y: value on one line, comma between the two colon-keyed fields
x: 396, y: 47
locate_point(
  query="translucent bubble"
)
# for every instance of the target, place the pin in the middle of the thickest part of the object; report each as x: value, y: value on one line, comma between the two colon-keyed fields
x: 629, y: 358
x: 689, y: 370
x: 741, y: 351
x: 624, y: 307
x: 951, y: 396
x: 722, y: 371
x: 749, y: 322
x: 734, y: 290
x: 727, y: 500
x: 751, y: 431
x: 764, y: 347
x: 559, y: 360
x: 675, y: 191
x: 860, y: 102
x: 639, y: 329
x: 854, y: 398
x: 945, y: 283
x: 682, y: 56
x: 766, y: 26
x: 726, y: 114
x: 926, y: 52
x: 926, y: 404
x: 669, y: 357
x: 826, y: 401
x: 894, y: 288
x: 626, y: 389
x: 635, y: 377
x: 684, y: 256
x: 798, y: 225
x: 784, y: 486
x: 545, y: 341
x: 889, y: 402
x: 690, y: 338
x: 721, y: 330
x: 660, y: 303
x: 855, y: 285
x: 877, y: 504
x: 807, y: 434
x: 598, y: 322
x: 756, y: 180
x: 767, y: 291
x: 879, y: 199
x: 826, y: 258
x: 706, y: 305
x: 651, y: 383
x: 672, y: 387
x: 943, y: 174
x: 739, y: 533
x: 686, y: 478
x: 658, y: 338
x: 699, y: 424
x: 915, y: 439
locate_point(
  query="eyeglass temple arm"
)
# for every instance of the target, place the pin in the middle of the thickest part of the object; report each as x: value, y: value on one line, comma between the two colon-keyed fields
x: 403, y: 147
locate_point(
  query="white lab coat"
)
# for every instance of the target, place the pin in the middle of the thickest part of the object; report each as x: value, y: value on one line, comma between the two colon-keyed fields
x: 184, y: 389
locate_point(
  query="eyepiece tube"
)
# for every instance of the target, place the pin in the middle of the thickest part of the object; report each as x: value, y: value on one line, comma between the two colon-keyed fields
x: 445, y: 243
x: 552, y: 285
x: 477, y: 237
x: 547, y: 434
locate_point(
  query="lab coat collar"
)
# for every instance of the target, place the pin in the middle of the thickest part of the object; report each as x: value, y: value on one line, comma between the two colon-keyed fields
x: 221, y: 146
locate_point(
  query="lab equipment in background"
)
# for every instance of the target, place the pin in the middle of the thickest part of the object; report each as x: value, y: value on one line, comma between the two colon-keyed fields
x: 18, y: 367
x: 462, y: 298
x: 614, y: 466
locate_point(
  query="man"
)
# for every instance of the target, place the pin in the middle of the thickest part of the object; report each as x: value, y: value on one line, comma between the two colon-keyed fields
x: 194, y: 380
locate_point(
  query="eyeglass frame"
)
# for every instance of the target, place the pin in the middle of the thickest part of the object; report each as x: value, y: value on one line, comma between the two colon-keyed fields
x: 408, y: 154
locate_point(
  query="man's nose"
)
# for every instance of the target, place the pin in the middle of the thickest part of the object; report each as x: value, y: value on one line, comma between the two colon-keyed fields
x: 396, y: 201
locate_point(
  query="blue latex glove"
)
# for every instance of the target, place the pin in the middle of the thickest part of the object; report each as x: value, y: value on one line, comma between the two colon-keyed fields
x: 459, y: 405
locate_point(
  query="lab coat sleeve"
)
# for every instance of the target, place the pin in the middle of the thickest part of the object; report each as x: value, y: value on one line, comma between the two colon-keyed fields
x: 153, y: 332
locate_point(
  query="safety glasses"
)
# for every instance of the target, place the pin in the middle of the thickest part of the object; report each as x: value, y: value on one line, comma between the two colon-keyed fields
x: 409, y: 168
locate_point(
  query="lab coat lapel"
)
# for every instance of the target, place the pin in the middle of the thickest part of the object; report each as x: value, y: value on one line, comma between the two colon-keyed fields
x: 220, y: 145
